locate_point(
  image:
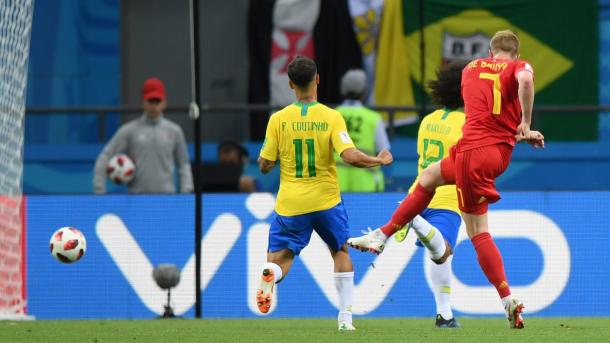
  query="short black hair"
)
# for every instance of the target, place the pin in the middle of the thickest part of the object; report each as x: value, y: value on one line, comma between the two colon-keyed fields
x: 301, y: 71
x: 229, y: 146
x: 446, y: 89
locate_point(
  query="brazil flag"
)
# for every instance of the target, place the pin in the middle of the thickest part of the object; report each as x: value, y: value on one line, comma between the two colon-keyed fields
x: 559, y: 39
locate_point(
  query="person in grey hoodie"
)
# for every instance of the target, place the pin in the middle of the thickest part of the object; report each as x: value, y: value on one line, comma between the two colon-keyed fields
x: 155, y: 144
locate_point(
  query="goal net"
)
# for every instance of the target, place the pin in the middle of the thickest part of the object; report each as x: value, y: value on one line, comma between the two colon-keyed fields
x: 15, y: 27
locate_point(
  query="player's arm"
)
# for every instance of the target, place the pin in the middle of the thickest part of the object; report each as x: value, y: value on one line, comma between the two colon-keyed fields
x: 269, y: 152
x: 264, y: 165
x: 343, y: 145
x: 357, y: 158
x: 533, y: 138
x: 525, y: 78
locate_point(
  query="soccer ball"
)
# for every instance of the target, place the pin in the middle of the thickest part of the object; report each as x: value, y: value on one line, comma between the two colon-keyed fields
x: 68, y: 244
x: 121, y: 169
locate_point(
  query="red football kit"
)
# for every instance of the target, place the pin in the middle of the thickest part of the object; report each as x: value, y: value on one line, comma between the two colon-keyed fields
x: 491, y: 102
x: 493, y: 113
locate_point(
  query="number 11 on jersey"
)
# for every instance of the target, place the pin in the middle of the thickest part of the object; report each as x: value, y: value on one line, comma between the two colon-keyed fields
x: 311, y: 156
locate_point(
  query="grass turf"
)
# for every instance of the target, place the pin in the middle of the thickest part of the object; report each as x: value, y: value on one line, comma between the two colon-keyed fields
x: 303, y: 330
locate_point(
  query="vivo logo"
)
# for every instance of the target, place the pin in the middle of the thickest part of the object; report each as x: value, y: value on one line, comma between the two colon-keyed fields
x: 549, y: 285
x: 374, y: 286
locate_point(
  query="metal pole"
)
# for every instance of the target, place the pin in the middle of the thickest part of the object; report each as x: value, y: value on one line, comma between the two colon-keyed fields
x: 194, y: 114
x: 391, y: 116
x: 169, y: 294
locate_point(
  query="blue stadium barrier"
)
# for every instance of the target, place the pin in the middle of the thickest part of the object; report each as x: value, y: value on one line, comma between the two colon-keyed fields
x: 554, y: 246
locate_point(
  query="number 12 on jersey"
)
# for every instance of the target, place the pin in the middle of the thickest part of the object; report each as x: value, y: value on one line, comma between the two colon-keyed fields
x: 428, y: 160
x: 311, y: 156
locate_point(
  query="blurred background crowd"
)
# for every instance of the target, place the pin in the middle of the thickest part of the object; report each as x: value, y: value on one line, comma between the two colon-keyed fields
x: 90, y: 59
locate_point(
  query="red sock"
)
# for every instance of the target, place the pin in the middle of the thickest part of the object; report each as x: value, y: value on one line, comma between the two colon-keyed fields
x: 491, y: 263
x: 413, y: 205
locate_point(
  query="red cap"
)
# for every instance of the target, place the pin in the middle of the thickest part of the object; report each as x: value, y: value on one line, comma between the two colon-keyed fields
x: 153, y: 89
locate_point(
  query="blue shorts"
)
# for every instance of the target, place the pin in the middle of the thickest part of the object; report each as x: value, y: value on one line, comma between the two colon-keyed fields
x: 294, y: 232
x: 446, y: 221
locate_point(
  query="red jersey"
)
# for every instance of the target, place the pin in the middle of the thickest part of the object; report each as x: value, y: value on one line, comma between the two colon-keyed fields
x: 491, y: 102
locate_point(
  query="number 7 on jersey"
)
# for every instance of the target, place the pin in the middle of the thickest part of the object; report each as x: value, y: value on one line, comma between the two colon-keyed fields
x: 497, y: 93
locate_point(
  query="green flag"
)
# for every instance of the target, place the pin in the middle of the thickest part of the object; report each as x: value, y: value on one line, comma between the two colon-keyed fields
x: 559, y: 39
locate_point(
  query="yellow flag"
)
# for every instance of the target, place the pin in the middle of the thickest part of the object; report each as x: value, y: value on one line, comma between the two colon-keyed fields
x: 393, y: 85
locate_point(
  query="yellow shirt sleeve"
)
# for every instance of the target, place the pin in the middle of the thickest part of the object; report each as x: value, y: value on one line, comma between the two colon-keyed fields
x: 340, y: 138
x: 269, y: 151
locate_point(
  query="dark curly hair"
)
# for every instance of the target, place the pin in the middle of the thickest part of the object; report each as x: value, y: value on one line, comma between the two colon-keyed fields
x: 446, y: 89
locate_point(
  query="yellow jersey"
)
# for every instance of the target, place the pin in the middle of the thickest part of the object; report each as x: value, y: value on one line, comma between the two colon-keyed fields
x: 438, y: 132
x: 302, y: 137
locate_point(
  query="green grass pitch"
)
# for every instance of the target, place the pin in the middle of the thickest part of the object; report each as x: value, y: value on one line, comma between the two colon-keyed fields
x: 303, y: 330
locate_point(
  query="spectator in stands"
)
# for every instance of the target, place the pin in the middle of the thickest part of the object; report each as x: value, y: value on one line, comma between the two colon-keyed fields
x: 233, y: 153
x: 367, y: 130
x: 155, y: 144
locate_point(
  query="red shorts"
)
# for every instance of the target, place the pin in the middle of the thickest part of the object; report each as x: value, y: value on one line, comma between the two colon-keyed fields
x: 474, y: 172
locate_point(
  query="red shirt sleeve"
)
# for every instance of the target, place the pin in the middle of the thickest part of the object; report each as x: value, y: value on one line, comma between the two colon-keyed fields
x: 521, y: 66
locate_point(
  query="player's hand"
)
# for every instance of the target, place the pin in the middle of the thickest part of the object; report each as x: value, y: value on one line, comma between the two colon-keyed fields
x: 523, y: 129
x: 533, y: 138
x: 385, y: 157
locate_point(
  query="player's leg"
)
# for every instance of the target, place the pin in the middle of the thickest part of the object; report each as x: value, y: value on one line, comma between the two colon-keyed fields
x: 341, y: 260
x: 440, y: 279
x: 280, y: 263
x: 437, y: 174
x: 427, y: 235
x: 490, y: 260
x: 277, y: 266
x: 287, y: 237
x: 438, y: 248
x: 418, y: 200
x: 344, y: 284
x: 476, y: 190
x: 440, y: 276
x: 448, y: 224
x: 488, y: 255
x: 332, y: 226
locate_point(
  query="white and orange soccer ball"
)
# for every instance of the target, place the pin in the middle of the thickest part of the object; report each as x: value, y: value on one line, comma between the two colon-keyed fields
x: 121, y: 169
x: 68, y: 244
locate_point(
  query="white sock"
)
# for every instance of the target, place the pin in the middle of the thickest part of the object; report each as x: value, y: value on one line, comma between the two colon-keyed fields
x: 430, y: 236
x: 440, y: 275
x: 344, y: 283
x: 277, y: 271
x: 506, y: 300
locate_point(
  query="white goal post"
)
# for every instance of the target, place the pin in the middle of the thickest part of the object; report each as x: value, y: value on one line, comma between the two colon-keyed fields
x: 15, y: 28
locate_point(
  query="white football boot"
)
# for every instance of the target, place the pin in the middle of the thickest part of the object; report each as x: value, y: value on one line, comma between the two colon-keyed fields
x: 264, y: 293
x: 513, y: 311
x: 345, y: 326
x: 373, y: 241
